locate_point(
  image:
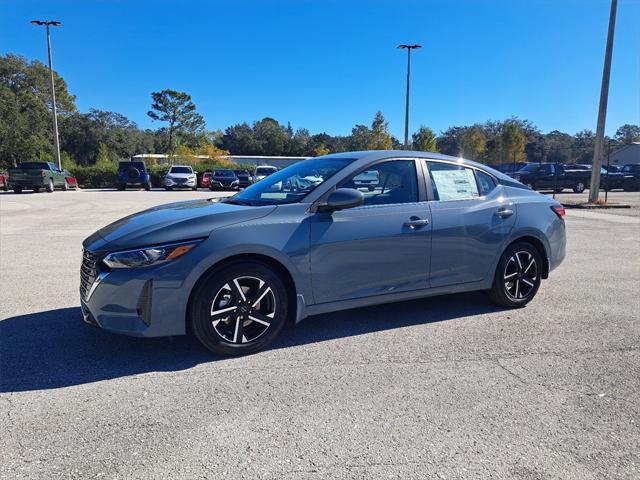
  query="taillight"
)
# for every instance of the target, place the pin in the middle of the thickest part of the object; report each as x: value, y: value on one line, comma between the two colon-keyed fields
x: 558, y: 210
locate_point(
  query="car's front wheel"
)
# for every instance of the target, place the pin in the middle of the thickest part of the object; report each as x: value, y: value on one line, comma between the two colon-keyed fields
x: 49, y: 187
x: 239, y: 308
x: 518, y: 276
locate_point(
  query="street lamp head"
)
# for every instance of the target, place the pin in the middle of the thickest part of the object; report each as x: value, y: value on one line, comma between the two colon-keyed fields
x: 410, y: 47
x: 55, y: 23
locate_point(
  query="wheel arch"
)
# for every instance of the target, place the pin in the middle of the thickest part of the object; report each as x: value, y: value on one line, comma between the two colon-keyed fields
x: 270, y: 261
x: 538, y: 245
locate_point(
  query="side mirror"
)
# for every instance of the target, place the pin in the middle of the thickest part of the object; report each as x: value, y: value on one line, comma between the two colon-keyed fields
x: 341, y: 199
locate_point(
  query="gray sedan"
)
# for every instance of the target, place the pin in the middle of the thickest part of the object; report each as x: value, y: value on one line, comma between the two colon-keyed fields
x: 376, y: 227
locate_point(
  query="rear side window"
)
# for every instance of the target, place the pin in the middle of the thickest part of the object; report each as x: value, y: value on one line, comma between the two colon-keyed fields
x: 485, y: 183
x: 452, y: 182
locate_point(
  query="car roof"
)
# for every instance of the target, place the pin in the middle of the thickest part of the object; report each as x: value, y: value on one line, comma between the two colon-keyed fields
x: 372, y: 155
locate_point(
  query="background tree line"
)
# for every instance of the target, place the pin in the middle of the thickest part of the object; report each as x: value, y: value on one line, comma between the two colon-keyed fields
x: 100, y: 138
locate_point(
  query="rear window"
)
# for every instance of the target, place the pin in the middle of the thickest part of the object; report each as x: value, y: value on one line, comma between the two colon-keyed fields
x: 223, y: 173
x: 34, y: 166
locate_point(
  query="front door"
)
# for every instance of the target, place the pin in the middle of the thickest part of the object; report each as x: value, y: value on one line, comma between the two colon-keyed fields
x: 378, y: 248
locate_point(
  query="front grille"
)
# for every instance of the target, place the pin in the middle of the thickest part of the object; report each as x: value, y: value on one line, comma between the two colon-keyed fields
x: 88, y: 272
x: 180, y: 180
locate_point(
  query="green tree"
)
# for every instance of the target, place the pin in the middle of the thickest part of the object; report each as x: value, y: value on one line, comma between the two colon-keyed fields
x: 272, y: 138
x: 380, y: 136
x: 103, y: 155
x: 25, y: 109
x: 424, y: 140
x: 474, y: 143
x: 450, y: 141
x: 512, y: 142
x: 628, y: 134
x: 320, y: 150
x: 360, y: 138
x: 179, y: 111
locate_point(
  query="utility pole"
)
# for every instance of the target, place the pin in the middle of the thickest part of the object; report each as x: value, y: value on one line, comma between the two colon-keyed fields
x: 594, y: 188
x: 56, y: 141
x: 406, y: 114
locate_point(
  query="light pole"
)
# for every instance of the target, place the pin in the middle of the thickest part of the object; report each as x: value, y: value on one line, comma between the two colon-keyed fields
x: 406, y: 115
x: 56, y: 142
x: 598, y: 150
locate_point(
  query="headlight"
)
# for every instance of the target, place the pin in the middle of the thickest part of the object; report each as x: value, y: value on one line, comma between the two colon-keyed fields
x: 145, y: 257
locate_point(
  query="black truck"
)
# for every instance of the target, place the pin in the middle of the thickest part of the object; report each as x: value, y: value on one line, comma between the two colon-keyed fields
x: 551, y: 176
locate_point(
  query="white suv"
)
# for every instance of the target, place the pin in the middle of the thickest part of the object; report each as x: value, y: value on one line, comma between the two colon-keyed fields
x: 180, y: 176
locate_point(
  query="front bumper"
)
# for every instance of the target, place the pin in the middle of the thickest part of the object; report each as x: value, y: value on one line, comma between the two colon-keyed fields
x: 179, y: 184
x: 141, y: 302
x: 223, y: 184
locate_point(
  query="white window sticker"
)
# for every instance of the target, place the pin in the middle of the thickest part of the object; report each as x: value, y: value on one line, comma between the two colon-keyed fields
x: 459, y: 184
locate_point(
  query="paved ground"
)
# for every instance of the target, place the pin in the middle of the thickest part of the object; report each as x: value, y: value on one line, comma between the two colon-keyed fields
x: 440, y: 388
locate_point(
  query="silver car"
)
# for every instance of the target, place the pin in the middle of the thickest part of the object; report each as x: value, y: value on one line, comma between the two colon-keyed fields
x: 180, y: 176
x: 235, y: 270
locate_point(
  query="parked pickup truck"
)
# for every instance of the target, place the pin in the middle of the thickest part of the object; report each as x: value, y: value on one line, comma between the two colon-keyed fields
x: 551, y: 176
x: 36, y: 175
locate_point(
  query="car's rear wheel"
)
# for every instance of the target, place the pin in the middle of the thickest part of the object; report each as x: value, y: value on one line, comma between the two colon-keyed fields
x: 36, y: 189
x: 17, y: 189
x: 239, y: 308
x: 518, y: 276
x: 579, y: 187
x: 49, y: 186
x: 147, y: 186
x: 65, y: 187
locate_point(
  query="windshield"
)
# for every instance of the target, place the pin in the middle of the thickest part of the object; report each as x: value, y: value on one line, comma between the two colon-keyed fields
x: 181, y: 170
x: 34, y: 166
x: 627, y: 168
x: 266, y: 170
x: 291, y: 184
x: 532, y: 167
x: 223, y: 173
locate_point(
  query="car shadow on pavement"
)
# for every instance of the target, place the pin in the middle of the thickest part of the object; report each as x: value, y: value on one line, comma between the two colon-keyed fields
x: 55, y: 349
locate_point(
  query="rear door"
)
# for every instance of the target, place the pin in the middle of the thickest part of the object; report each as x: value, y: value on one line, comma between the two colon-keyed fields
x: 471, y: 220
x: 380, y: 247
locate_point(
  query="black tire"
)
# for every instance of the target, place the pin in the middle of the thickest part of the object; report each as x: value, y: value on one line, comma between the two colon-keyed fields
x: 194, y: 188
x: 147, y: 186
x: 17, y: 189
x: 133, y: 173
x: 579, y: 187
x: 122, y: 186
x: 168, y: 189
x: 36, y: 189
x: 5, y: 187
x: 508, y: 287
x: 237, y: 333
x: 65, y: 187
x: 49, y: 187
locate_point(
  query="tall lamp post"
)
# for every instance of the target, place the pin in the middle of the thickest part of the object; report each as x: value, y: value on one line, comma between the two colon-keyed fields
x: 56, y: 142
x: 598, y: 150
x: 406, y: 115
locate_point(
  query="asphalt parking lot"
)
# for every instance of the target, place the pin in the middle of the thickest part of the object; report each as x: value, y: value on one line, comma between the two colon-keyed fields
x: 448, y: 387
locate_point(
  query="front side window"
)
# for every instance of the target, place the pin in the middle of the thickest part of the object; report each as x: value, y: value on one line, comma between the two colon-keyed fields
x: 385, y: 183
x: 452, y: 182
x: 291, y: 184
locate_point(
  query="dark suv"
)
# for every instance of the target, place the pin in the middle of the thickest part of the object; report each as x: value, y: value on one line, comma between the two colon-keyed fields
x: 133, y: 174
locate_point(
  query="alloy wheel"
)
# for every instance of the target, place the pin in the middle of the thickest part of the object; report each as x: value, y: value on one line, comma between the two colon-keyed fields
x: 243, y: 309
x: 520, y: 275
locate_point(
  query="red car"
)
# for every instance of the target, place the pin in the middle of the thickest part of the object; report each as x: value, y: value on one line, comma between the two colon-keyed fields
x: 70, y: 181
x: 205, y: 180
x: 4, y: 181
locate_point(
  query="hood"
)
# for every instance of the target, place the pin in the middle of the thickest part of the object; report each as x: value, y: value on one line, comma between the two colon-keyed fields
x: 172, y: 222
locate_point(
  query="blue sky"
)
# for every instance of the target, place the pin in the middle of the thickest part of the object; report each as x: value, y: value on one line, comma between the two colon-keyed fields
x: 327, y: 65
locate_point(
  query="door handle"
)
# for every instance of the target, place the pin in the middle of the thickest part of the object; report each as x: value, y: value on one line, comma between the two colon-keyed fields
x: 415, y: 222
x: 504, y: 212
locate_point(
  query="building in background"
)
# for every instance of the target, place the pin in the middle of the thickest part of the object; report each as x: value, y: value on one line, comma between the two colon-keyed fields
x: 629, y: 154
x: 275, y: 161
